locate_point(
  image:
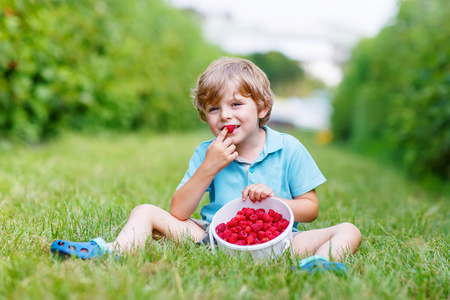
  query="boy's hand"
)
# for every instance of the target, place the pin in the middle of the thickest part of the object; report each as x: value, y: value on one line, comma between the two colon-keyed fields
x: 257, y: 192
x: 220, y: 152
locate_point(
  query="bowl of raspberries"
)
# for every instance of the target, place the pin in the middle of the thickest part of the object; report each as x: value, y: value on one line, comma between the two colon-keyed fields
x: 261, y: 229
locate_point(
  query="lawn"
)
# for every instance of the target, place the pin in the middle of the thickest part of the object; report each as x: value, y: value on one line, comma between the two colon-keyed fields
x: 80, y: 187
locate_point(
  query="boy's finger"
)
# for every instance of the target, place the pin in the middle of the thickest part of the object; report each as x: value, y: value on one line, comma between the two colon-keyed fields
x: 244, y: 194
x: 222, y: 134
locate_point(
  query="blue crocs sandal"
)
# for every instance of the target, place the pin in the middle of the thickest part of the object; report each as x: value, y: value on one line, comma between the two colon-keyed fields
x: 87, y: 250
x: 318, y: 263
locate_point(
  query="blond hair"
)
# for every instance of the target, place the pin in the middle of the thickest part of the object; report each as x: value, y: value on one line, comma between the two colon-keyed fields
x: 249, y: 80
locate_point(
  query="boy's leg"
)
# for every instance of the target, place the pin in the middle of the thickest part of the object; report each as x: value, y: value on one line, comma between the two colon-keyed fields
x: 146, y: 220
x: 331, y: 243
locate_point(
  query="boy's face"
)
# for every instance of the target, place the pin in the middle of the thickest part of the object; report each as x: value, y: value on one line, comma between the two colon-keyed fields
x: 237, y: 110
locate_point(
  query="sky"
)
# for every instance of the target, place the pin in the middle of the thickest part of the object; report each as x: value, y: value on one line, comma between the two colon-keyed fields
x: 318, y: 33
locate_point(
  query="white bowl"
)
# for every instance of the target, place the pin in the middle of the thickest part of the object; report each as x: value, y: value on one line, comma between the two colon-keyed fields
x: 268, y: 250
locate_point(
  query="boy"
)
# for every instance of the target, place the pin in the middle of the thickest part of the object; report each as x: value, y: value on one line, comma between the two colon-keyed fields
x: 246, y: 159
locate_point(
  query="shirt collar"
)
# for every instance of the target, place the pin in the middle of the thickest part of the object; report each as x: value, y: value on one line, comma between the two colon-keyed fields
x: 273, y: 140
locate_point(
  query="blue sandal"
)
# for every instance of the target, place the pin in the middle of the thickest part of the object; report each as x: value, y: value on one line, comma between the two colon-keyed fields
x: 318, y: 263
x: 87, y: 250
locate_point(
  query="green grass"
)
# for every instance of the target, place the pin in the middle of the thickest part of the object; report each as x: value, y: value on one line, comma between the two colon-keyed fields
x: 81, y: 187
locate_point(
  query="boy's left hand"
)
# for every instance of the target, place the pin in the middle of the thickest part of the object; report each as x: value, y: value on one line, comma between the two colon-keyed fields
x: 257, y: 192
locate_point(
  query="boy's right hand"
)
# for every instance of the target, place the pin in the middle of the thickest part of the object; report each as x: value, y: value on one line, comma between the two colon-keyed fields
x: 220, y: 152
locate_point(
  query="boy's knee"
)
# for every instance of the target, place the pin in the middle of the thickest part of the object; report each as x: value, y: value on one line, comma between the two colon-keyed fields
x: 351, y: 230
x: 143, y: 209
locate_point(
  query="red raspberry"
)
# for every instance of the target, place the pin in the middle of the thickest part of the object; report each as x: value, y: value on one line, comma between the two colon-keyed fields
x: 233, y: 238
x: 248, y: 229
x: 285, y: 223
x: 271, y: 212
x: 243, y: 235
x: 253, y: 218
x: 273, y: 228
x: 241, y: 218
x: 243, y: 224
x: 260, y: 222
x: 221, y: 227
x: 256, y: 227
x: 276, y: 233
x: 230, y: 128
x: 261, y: 235
x: 271, y: 237
x: 253, y: 234
x: 259, y: 212
x: 220, y: 234
x: 266, y: 226
x: 277, y: 217
x: 232, y: 223
x: 279, y: 226
x: 266, y: 218
x: 249, y: 223
x: 248, y: 211
x: 257, y: 241
x: 235, y: 229
x: 250, y: 240
x: 227, y: 234
x: 241, y: 242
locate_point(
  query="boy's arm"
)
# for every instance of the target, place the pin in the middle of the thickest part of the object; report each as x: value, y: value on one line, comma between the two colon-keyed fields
x: 304, y: 207
x: 218, y: 155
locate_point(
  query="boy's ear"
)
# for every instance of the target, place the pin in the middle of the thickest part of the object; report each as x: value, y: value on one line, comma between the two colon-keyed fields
x: 263, y: 112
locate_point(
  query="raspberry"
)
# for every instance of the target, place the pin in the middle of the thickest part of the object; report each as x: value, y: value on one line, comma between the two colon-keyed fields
x: 285, y: 223
x: 243, y: 235
x: 261, y: 235
x: 250, y: 240
x: 221, y: 227
x: 259, y: 212
x: 248, y: 211
x: 260, y: 222
x: 248, y: 229
x: 277, y: 217
x: 266, y: 218
x: 241, y: 242
x: 233, y: 238
x: 256, y: 227
x: 253, y: 218
x: 232, y: 223
x: 235, y: 229
x: 241, y: 217
x: 243, y: 224
x: 271, y: 212
x: 227, y: 234
x: 266, y: 226
x: 230, y: 128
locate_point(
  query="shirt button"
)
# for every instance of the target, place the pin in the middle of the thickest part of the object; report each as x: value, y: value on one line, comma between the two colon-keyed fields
x: 252, y: 170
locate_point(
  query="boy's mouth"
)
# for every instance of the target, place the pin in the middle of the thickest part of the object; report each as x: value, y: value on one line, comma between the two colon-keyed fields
x: 230, y: 128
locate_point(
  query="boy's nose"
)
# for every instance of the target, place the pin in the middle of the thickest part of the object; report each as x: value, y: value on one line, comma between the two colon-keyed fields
x: 225, y: 114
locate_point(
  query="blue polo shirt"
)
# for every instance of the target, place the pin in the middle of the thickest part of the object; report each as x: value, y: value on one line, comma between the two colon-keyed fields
x: 284, y: 165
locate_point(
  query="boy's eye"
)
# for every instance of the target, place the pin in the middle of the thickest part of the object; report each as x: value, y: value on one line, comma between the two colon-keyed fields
x: 236, y: 104
x: 212, y: 109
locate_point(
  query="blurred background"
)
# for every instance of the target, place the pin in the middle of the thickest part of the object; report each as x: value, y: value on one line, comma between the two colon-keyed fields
x: 371, y: 75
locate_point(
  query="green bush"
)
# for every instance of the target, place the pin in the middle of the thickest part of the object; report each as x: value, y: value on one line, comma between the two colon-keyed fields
x: 97, y: 64
x: 395, y: 96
